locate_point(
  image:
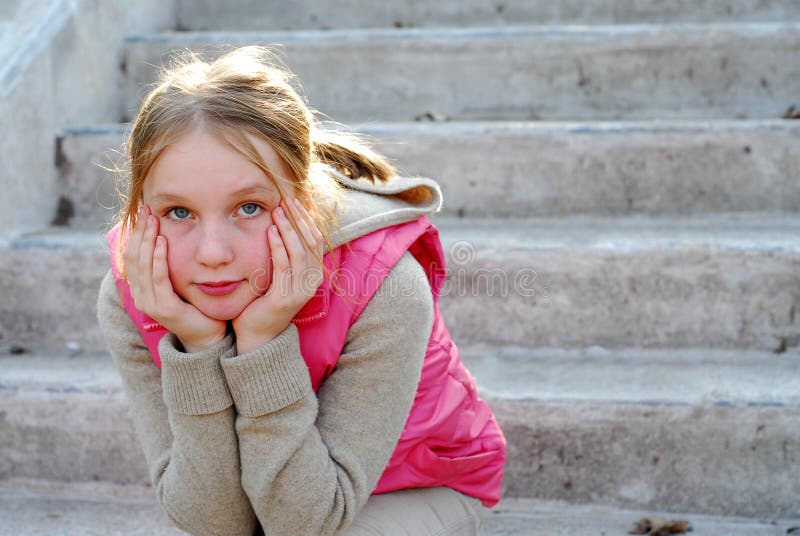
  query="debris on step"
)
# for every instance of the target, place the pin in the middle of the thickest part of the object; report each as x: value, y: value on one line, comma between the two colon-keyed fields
x: 16, y: 349
x: 74, y: 348
x: 660, y: 527
x: 65, y: 211
x: 432, y: 117
x: 792, y: 113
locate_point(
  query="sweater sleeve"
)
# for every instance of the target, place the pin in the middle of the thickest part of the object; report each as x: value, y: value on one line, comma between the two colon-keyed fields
x: 184, y: 418
x: 310, y: 462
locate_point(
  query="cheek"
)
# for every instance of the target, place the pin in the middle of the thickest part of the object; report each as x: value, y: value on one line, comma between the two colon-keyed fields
x: 254, y: 256
x: 256, y: 252
x: 252, y: 243
x: 179, y: 252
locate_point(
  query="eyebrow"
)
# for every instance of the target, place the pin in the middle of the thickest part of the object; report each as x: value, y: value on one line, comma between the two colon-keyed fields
x: 168, y: 197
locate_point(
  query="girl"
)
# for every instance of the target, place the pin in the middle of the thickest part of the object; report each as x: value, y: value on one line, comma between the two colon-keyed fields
x: 272, y: 308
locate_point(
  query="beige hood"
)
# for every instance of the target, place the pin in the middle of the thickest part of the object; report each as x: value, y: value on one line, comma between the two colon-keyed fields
x: 364, y: 206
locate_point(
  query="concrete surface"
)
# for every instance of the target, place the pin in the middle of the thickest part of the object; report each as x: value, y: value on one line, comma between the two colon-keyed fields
x: 526, y: 517
x: 686, y: 431
x: 8, y: 9
x: 711, y: 459
x: 34, y: 508
x: 88, y: 183
x: 748, y: 70
x: 714, y: 281
x: 28, y: 176
x: 721, y: 281
x: 311, y: 14
x: 49, y: 287
x: 59, y: 66
x: 533, y: 169
x: 603, y: 375
x: 587, y: 423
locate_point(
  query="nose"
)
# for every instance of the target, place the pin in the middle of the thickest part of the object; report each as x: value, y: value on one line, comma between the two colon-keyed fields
x: 215, y: 245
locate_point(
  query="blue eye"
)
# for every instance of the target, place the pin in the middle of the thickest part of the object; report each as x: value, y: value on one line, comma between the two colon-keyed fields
x: 179, y: 213
x: 250, y: 209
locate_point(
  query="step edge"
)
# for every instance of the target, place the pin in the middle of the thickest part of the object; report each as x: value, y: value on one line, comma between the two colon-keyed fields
x: 455, y: 33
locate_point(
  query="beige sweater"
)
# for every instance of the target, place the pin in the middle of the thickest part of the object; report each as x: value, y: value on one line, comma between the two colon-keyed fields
x: 233, y: 441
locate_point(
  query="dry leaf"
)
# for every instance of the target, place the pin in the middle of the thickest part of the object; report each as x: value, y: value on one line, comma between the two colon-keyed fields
x: 792, y: 113
x: 643, y: 526
x: 660, y: 527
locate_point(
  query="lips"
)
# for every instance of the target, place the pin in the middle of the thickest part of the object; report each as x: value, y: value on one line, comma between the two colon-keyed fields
x: 218, y: 288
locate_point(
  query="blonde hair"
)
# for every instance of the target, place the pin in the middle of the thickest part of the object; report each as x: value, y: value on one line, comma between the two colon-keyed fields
x: 245, y: 91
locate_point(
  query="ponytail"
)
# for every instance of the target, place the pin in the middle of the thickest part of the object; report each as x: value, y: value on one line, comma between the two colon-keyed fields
x: 350, y: 156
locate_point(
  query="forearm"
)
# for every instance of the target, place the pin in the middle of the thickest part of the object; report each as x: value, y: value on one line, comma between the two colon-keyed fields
x: 287, y: 471
x: 200, y: 487
x: 310, y: 461
x: 187, y: 433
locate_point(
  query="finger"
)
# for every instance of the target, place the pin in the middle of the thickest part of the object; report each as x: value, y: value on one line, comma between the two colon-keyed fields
x: 131, y: 253
x: 301, y: 257
x: 306, y: 226
x: 145, y: 264
x: 162, y: 287
x: 280, y: 258
x: 304, y: 234
x: 319, y: 239
x: 309, y: 220
x: 310, y: 275
x: 291, y: 240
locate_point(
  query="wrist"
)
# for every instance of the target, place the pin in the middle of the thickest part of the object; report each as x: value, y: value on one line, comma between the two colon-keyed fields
x: 250, y: 336
x: 249, y: 343
x: 194, y: 346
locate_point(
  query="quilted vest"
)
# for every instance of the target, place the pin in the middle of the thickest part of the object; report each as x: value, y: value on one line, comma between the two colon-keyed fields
x: 451, y: 437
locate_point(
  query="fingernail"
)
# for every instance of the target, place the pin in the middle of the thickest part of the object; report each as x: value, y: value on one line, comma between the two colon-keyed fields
x: 279, y: 212
x: 149, y: 222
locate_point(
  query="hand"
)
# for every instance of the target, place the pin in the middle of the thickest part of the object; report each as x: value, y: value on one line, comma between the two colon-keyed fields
x: 146, y: 267
x: 296, y: 275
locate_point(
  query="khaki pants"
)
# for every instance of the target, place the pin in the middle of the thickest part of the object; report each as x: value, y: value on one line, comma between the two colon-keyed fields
x: 418, y: 512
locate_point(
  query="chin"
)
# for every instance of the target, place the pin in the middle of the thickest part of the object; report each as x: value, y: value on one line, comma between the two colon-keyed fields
x: 221, y: 315
x: 222, y: 312
x: 223, y: 309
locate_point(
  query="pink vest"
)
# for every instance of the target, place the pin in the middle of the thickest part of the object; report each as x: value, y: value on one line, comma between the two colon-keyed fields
x: 451, y: 437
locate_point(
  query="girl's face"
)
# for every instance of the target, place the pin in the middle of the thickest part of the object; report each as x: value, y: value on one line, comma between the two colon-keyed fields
x: 214, y: 208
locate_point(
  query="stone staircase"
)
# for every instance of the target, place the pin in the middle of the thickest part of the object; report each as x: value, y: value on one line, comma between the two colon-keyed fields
x: 622, y: 222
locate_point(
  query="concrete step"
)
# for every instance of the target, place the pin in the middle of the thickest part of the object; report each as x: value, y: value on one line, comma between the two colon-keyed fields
x: 528, y: 169
x: 527, y: 517
x: 59, y: 66
x: 34, y: 507
x: 720, y: 281
x: 668, y: 430
x: 309, y: 14
x: 715, y: 433
x: 724, y: 281
x: 49, y: 283
x: 747, y: 70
